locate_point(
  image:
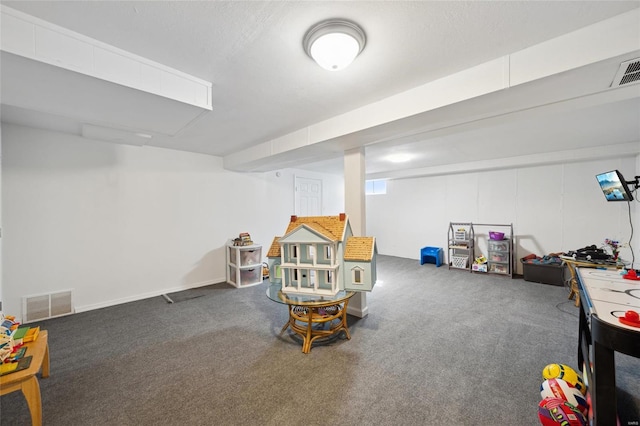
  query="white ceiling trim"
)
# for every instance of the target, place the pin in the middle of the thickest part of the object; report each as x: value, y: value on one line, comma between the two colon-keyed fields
x: 84, y: 99
x: 531, y: 160
x: 33, y: 38
x: 606, y: 39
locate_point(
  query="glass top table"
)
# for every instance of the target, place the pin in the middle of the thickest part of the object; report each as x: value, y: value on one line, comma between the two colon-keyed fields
x: 313, y: 317
x: 274, y: 292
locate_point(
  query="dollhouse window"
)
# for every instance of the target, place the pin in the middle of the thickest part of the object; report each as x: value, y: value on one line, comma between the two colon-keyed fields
x: 329, y: 277
x: 357, y: 275
x: 327, y: 252
x: 294, y: 252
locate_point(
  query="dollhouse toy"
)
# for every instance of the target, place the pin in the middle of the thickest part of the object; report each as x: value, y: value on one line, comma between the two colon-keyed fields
x: 318, y: 255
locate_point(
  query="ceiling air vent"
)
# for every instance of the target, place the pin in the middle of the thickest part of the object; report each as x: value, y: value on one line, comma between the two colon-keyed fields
x: 629, y: 72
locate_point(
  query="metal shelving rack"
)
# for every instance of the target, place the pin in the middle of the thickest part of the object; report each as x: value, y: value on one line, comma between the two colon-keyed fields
x: 461, y: 240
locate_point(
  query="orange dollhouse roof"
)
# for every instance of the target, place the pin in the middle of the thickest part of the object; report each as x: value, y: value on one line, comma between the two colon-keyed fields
x: 274, y: 250
x: 331, y: 227
x: 360, y: 248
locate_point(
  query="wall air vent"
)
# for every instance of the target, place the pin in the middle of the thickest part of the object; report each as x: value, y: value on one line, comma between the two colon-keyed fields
x: 629, y: 72
x: 44, y: 306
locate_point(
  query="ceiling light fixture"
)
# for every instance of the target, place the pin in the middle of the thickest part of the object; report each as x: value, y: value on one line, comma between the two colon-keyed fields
x: 399, y: 157
x: 334, y: 43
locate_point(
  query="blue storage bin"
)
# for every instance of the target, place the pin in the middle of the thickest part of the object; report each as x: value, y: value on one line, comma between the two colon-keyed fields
x: 431, y: 255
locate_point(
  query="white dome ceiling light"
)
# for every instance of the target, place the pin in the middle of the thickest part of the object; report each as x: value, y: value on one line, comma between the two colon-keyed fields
x: 399, y: 157
x: 334, y: 43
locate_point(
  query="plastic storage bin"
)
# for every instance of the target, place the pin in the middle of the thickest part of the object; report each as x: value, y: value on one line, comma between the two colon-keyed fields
x: 496, y: 235
x: 543, y: 273
x: 498, y: 256
x: 498, y: 268
x: 460, y: 235
x: 249, y: 276
x: 250, y: 256
x: 244, y: 264
x: 498, y: 245
x: 459, y: 261
x: 232, y: 274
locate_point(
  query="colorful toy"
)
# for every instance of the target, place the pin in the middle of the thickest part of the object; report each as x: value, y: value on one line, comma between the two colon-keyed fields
x: 558, y: 388
x: 480, y: 260
x: 555, y: 411
x: 566, y: 373
x: 631, y: 318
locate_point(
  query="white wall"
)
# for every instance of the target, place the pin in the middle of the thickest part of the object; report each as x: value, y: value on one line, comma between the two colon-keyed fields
x: 1, y: 298
x: 553, y: 208
x: 117, y: 223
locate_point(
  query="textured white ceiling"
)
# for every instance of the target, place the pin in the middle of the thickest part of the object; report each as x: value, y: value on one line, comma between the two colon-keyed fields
x: 264, y: 85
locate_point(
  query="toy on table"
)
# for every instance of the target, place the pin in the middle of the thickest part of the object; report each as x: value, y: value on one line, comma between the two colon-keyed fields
x: 630, y: 318
x: 7, y: 325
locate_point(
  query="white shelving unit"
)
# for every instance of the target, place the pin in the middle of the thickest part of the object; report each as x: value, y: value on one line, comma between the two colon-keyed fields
x: 244, y: 265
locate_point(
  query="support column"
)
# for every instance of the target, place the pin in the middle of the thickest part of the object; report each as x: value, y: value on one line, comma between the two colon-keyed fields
x: 355, y: 207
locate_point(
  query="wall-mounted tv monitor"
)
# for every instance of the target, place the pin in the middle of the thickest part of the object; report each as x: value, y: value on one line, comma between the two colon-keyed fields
x: 614, y: 187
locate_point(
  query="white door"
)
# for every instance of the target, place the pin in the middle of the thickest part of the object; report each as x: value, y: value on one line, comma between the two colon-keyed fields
x: 308, y: 196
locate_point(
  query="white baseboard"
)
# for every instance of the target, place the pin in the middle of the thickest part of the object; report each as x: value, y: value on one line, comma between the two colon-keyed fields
x: 358, y: 305
x: 360, y: 313
x: 148, y: 295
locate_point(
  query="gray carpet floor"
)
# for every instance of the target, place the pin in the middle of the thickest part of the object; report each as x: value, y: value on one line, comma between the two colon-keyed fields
x: 439, y: 347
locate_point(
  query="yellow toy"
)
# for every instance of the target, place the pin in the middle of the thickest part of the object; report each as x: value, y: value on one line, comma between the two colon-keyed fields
x: 566, y: 373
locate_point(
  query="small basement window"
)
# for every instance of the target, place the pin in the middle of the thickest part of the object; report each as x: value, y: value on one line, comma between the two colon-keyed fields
x: 375, y: 187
